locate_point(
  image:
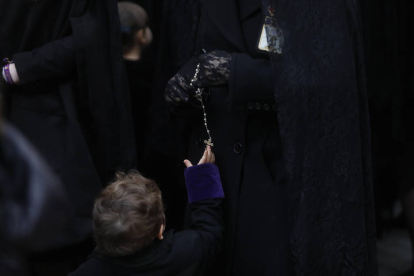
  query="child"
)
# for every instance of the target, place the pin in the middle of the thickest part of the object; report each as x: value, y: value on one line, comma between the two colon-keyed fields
x: 136, y: 34
x: 129, y: 223
x: 139, y: 66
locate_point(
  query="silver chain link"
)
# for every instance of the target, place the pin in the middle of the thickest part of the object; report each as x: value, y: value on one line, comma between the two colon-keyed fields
x: 199, y: 96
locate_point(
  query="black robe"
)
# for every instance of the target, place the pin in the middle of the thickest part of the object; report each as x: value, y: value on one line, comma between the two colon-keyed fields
x: 243, y: 123
x: 72, y: 101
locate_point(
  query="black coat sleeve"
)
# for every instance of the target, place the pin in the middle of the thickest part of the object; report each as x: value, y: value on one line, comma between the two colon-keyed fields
x: 250, y: 81
x: 207, y: 221
x: 56, y: 59
x: 205, y: 193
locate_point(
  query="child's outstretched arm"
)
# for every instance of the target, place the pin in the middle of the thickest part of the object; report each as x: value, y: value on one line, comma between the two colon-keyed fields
x: 203, y: 180
x: 205, y: 194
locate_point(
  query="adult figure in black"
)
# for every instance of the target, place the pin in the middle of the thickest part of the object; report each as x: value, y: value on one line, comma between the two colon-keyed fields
x: 70, y: 99
x: 288, y: 116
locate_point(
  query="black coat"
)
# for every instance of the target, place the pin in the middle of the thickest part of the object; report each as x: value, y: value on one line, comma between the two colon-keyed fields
x: 244, y: 128
x: 72, y: 102
x: 186, y: 252
x: 301, y: 200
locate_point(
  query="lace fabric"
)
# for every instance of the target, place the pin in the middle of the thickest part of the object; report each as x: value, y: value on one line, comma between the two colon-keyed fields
x: 214, y: 71
x: 178, y: 89
x: 322, y: 110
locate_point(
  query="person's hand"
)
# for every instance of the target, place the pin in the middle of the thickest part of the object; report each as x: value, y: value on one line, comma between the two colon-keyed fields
x: 178, y: 89
x: 214, y: 71
x: 208, y: 157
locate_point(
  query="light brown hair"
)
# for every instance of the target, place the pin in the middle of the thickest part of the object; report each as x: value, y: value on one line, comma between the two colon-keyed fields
x: 127, y: 215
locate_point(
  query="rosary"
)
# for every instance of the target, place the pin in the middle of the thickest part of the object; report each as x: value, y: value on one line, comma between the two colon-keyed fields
x: 199, y: 96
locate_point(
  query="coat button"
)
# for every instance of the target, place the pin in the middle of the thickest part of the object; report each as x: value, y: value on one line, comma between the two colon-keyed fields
x: 250, y: 105
x: 199, y: 142
x: 258, y: 106
x: 266, y: 107
x: 237, y: 148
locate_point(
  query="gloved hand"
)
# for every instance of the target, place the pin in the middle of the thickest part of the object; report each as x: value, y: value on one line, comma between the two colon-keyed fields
x: 214, y: 71
x: 178, y: 88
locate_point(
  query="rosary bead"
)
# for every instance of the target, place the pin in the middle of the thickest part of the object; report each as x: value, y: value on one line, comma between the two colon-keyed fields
x: 199, y: 97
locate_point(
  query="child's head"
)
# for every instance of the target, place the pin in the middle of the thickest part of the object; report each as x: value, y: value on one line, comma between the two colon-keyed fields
x: 135, y: 29
x: 128, y: 215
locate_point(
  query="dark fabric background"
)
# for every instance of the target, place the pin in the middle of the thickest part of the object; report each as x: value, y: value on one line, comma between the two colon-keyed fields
x: 389, y: 56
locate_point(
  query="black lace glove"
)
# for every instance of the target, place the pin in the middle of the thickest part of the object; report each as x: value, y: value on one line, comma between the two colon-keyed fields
x: 178, y: 88
x: 214, y: 71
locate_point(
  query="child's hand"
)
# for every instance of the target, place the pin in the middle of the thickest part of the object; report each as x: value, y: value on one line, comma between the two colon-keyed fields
x: 208, y: 157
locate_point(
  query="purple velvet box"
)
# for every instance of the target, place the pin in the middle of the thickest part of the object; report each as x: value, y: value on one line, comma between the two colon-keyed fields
x: 203, y: 182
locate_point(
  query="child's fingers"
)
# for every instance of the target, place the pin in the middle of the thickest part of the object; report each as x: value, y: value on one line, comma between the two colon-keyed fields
x: 204, y: 158
x: 188, y: 163
x: 209, y: 154
x: 213, y: 158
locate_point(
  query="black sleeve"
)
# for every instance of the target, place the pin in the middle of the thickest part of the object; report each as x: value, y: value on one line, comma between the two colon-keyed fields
x: 205, y: 193
x: 56, y: 59
x: 207, y: 220
x: 250, y: 81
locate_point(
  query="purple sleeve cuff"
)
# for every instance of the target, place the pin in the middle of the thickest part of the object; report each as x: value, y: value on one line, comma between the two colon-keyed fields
x: 203, y: 182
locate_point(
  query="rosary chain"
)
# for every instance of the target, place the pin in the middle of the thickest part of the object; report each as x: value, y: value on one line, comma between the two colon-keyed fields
x: 199, y: 96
